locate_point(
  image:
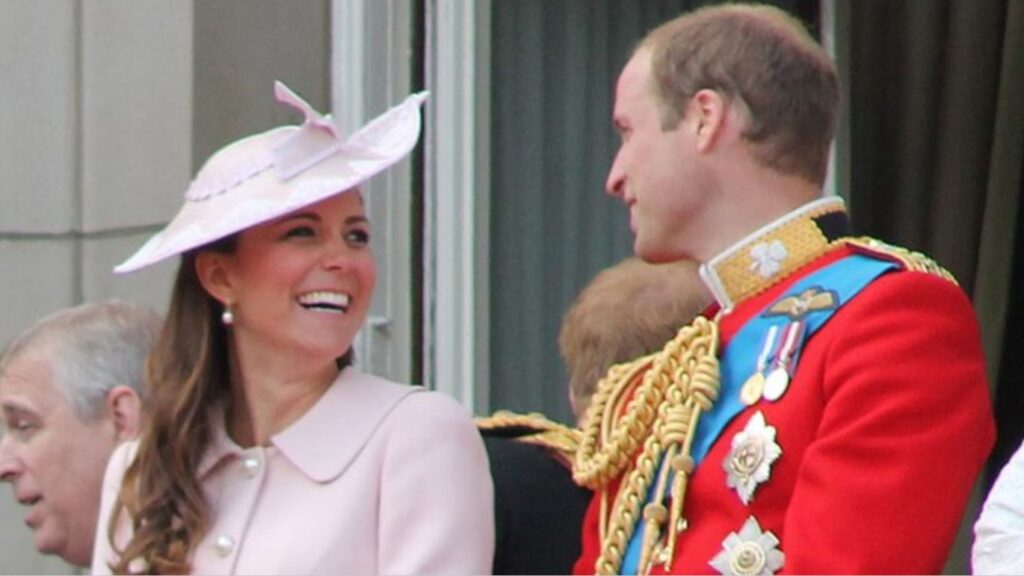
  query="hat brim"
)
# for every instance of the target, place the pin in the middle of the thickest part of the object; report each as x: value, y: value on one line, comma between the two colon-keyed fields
x: 265, y: 196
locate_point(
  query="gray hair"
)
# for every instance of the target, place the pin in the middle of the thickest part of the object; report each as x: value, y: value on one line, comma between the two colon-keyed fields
x: 92, y: 348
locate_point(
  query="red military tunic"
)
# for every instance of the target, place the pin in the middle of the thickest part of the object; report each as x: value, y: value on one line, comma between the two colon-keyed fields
x: 882, y: 431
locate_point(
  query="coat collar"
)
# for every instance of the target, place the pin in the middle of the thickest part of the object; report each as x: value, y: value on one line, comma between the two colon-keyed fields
x: 775, y: 251
x: 327, y: 438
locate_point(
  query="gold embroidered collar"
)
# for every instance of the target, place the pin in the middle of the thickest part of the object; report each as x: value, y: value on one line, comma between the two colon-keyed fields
x: 775, y: 251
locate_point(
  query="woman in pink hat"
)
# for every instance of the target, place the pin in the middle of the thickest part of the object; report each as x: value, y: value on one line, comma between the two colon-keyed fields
x: 267, y: 451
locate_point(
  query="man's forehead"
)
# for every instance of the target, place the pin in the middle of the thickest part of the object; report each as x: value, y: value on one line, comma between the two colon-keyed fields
x: 633, y: 84
x: 27, y: 385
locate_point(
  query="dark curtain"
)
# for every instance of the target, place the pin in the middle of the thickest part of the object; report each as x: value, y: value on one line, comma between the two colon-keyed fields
x: 936, y: 151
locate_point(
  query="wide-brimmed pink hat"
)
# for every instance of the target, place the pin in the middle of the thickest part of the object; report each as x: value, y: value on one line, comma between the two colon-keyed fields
x: 268, y: 175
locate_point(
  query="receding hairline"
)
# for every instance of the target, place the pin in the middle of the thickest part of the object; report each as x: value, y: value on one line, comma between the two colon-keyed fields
x: 786, y: 25
x: 41, y: 337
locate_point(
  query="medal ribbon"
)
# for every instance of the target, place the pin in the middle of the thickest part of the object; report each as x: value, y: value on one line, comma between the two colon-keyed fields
x: 767, y: 350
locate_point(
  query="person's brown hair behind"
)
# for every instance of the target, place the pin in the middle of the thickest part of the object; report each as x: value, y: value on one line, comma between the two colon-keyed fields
x: 629, y: 310
x: 762, y: 60
x: 161, y: 493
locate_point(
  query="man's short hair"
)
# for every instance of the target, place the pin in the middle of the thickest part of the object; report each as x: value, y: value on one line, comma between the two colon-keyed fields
x: 764, y: 62
x: 93, y: 347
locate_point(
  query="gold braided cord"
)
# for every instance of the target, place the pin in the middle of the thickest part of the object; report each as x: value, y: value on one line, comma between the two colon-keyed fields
x: 544, y: 432
x: 910, y: 259
x: 680, y: 430
x: 624, y: 378
x: 564, y: 441
x: 509, y: 419
x: 602, y: 457
x: 685, y: 376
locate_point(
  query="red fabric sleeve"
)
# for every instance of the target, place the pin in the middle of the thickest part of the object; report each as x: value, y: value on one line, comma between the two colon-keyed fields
x: 591, y: 538
x: 905, y: 430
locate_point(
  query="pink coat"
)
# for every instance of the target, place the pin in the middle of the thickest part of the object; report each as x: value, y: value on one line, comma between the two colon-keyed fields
x: 377, y: 478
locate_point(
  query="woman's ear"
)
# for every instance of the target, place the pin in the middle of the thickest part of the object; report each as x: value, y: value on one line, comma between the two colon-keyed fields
x: 212, y: 270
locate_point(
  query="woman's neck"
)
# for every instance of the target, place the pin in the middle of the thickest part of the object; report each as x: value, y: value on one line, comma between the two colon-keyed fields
x: 269, y: 393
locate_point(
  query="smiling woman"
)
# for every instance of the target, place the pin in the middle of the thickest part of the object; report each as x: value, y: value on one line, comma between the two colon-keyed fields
x: 299, y: 285
x: 267, y: 451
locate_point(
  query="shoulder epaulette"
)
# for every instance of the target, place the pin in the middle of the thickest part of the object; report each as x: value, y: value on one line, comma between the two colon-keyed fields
x: 909, y: 259
x: 533, y: 428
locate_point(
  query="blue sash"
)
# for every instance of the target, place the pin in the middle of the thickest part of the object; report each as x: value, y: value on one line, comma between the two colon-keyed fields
x: 844, y: 278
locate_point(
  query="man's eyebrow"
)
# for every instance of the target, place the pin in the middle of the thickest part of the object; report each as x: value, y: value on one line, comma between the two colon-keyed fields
x: 13, y: 405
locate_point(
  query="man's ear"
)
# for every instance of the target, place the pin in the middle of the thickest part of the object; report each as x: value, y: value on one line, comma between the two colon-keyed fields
x: 707, y: 117
x: 125, y: 409
x: 213, y: 274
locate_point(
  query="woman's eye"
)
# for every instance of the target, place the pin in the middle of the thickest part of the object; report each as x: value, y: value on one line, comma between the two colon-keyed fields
x: 358, y: 237
x: 300, y: 232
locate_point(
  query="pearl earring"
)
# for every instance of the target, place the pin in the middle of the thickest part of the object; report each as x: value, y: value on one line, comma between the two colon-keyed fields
x: 227, y: 317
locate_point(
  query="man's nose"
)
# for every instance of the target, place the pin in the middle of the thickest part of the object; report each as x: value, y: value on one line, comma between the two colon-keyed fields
x: 10, y: 465
x: 615, y: 183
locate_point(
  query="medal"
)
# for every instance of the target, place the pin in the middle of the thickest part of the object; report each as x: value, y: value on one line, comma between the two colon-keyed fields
x: 750, y: 394
x: 752, y: 389
x: 750, y: 460
x: 750, y: 552
x: 775, y: 384
x: 777, y: 381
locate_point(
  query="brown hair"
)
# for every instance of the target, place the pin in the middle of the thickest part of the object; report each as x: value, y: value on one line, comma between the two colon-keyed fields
x: 762, y: 60
x: 627, y: 311
x: 161, y: 492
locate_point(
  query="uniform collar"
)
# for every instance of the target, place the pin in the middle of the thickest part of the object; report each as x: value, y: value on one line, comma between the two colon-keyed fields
x: 775, y: 251
x: 327, y: 438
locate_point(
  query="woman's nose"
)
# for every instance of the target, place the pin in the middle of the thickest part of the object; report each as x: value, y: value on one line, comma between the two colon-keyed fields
x: 336, y: 256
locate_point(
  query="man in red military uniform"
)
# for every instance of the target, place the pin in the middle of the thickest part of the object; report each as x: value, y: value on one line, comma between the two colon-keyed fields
x: 829, y: 414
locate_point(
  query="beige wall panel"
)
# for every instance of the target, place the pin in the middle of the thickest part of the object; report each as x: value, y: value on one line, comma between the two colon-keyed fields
x: 136, y: 111
x: 150, y: 286
x: 38, y: 278
x: 37, y: 115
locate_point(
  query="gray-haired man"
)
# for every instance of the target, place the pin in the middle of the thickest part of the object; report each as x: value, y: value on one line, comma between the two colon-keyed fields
x: 70, y: 391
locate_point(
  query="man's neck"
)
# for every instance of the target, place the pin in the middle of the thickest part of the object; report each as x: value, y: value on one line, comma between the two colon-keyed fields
x: 751, y: 202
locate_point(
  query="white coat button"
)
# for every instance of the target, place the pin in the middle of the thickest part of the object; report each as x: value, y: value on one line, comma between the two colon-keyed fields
x: 251, y: 465
x: 224, y: 545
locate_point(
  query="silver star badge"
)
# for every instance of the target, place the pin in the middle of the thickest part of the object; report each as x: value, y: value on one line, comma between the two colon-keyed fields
x: 752, y: 552
x: 750, y: 461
